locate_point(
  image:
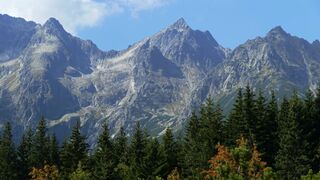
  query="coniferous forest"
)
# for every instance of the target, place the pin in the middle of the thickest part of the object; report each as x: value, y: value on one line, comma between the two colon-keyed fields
x: 261, y: 138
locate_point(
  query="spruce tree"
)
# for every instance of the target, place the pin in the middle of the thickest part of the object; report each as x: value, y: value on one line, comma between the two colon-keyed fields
x: 170, y: 153
x: 54, y: 152
x: 317, y: 105
x: 250, y: 115
x: 261, y: 121
x: 266, y: 127
x: 121, y: 147
x: 310, y: 129
x: 316, y: 134
x: 8, y: 156
x: 74, y: 151
x: 269, y: 145
x: 236, y: 125
x: 290, y: 159
x: 66, y: 157
x: 192, y: 150
x: 40, y: 145
x: 104, y: 156
x: 24, y: 153
x: 211, y: 129
x: 152, y: 159
x: 138, y: 152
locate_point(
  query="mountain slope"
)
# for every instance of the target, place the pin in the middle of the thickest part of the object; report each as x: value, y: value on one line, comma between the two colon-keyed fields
x: 158, y: 81
x: 278, y: 61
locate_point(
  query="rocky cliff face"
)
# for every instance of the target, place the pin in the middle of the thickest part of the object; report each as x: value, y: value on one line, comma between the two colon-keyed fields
x: 46, y: 71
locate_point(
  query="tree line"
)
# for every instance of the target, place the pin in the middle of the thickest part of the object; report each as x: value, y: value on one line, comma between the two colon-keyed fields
x: 261, y: 138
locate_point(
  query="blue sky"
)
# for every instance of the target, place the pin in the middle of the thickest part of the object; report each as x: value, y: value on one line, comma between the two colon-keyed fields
x: 115, y: 24
x: 231, y: 22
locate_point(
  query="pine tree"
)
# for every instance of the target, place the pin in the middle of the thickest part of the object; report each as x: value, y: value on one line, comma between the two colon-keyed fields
x: 54, y: 153
x: 211, y: 129
x: 316, y: 134
x: 317, y: 104
x: 250, y: 115
x: 261, y: 122
x: 290, y: 159
x: 138, y: 152
x: 40, y: 145
x: 236, y: 124
x: 192, y: 151
x: 104, y: 156
x: 74, y: 151
x: 121, y: 147
x: 80, y: 173
x: 170, y: 153
x: 152, y: 159
x: 266, y: 127
x: 269, y: 145
x: 66, y: 158
x: 8, y: 156
x: 311, y: 129
x: 193, y: 127
x: 24, y: 153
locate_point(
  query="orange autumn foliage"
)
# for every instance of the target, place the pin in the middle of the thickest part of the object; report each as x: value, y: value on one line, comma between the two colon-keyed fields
x: 223, y: 157
x: 46, y: 173
x: 174, y: 175
x: 236, y: 163
x: 256, y: 165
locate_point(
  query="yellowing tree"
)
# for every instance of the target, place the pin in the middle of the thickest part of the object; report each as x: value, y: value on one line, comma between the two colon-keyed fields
x: 222, y: 164
x: 256, y: 165
x: 174, y: 175
x: 48, y: 172
x: 240, y: 162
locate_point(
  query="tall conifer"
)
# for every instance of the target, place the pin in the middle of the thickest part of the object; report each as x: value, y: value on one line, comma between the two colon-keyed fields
x: 8, y: 155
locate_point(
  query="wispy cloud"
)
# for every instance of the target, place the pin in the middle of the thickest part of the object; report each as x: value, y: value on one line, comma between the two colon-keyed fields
x: 140, y: 5
x: 75, y: 14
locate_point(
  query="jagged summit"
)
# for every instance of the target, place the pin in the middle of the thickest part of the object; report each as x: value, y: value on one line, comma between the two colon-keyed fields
x: 53, y: 24
x: 316, y: 43
x: 180, y: 24
x: 277, y: 31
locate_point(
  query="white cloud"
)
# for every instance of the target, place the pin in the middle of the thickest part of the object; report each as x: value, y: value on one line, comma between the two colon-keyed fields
x: 75, y: 14
x: 140, y: 5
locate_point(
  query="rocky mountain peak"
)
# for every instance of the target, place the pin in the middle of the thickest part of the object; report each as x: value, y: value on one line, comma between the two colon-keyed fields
x: 316, y: 43
x: 180, y: 24
x: 277, y: 32
x: 53, y: 26
x: 52, y: 23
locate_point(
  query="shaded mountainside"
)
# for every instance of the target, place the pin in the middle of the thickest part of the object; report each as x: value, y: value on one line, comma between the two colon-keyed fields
x: 46, y: 71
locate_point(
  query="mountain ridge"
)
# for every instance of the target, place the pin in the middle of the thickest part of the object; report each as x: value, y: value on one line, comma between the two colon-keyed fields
x: 156, y: 81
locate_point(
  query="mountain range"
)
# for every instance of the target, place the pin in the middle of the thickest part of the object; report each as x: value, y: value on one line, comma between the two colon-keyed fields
x: 158, y: 81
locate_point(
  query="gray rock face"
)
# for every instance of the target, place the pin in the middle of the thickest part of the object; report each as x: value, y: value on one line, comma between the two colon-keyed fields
x: 279, y: 62
x: 15, y: 35
x: 46, y: 71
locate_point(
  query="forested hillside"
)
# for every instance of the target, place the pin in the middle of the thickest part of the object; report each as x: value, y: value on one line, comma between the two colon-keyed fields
x: 261, y: 138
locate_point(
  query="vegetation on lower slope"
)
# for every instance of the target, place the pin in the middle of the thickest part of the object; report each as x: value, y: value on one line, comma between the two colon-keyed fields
x: 260, y: 139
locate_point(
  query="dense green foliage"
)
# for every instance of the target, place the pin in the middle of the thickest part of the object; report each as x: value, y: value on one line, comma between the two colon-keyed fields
x: 261, y: 138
